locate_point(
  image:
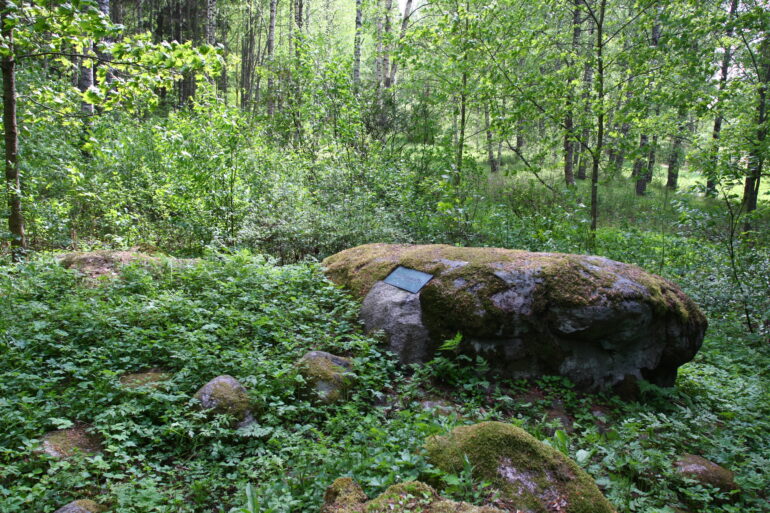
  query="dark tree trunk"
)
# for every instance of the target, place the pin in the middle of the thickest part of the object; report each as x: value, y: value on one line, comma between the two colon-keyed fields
x: 676, y: 154
x: 569, y: 128
x: 11, y: 135
x: 599, y: 148
x: 490, y: 146
x: 757, y: 154
x: 270, y: 58
x: 357, y: 45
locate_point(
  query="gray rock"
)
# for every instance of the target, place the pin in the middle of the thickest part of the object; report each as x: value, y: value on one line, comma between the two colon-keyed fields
x: 596, y: 321
x: 81, y: 506
x: 706, y: 472
x: 398, y: 313
x: 225, y: 395
x: 328, y: 375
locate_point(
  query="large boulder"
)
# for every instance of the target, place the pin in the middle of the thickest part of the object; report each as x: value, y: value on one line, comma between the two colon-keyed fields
x: 346, y: 496
x: 593, y: 320
x: 529, y: 475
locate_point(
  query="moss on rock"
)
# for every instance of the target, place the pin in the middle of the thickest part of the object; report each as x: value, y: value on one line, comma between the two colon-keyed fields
x: 706, y: 472
x: 346, y: 496
x: 65, y: 443
x: 530, y: 475
x: 327, y: 375
x: 82, y: 506
x: 225, y: 395
x: 588, y: 318
x: 152, y: 379
x: 95, y: 264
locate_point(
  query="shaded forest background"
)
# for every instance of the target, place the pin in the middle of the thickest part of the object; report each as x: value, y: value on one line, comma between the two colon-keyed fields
x: 302, y: 127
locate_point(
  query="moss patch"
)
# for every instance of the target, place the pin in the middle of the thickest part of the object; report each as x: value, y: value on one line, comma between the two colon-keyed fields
x: 65, y: 443
x: 466, y: 281
x: 345, y: 496
x: 529, y: 474
x: 224, y: 395
x: 151, y: 379
x: 327, y: 374
x: 82, y: 506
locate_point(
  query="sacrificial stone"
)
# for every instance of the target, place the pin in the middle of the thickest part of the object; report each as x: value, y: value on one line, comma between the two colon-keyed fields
x: 593, y: 320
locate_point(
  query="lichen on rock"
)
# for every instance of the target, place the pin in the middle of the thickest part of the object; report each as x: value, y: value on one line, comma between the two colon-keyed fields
x: 152, y: 378
x: 66, y: 443
x: 706, y: 472
x: 225, y: 395
x: 346, y: 496
x: 82, y: 506
x: 328, y: 375
x: 591, y: 319
x: 530, y: 475
x: 94, y: 264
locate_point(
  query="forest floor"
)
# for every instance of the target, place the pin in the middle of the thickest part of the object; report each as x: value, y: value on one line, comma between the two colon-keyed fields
x: 68, y: 340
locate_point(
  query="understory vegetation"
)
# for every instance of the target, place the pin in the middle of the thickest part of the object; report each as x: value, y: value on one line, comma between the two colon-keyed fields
x: 241, y: 142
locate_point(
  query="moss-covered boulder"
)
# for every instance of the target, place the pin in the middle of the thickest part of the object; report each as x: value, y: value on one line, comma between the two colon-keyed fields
x: 226, y: 395
x: 530, y: 475
x: 152, y: 378
x: 593, y: 320
x: 82, y: 506
x: 328, y: 376
x: 346, y: 496
x: 706, y: 472
x: 65, y: 443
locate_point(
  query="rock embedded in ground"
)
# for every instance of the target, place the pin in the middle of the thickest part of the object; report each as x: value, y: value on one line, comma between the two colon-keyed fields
x: 95, y: 264
x: 152, y: 378
x: 591, y: 319
x: 81, y: 506
x: 529, y: 475
x: 706, y: 472
x: 226, y: 395
x: 328, y: 375
x: 346, y: 496
x: 65, y: 443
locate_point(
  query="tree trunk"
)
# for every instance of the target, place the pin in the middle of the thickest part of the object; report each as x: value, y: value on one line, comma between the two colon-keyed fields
x: 757, y: 154
x: 211, y: 21
x: 357, y: 45
x: 598, y: 149
x: 270, y: 54
x: 711, y: 170
x: 676, y: 154
x: 404, y: 26
x: 11, y: 134
x: 490, y: 146
x: 569, y: 135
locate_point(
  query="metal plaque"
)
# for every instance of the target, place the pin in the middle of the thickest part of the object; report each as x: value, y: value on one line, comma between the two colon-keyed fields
x: 408, y: 279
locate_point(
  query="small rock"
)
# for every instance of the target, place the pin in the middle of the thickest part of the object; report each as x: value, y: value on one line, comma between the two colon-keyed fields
x: 706, y: 472
x: 346, y: 496
x: 65, y: 443
x: 152, y: 378
x: 225, y: 395
x: 95, y: 264
x: 328, y: 375
x: 81, y: 506
x: 439, y: 406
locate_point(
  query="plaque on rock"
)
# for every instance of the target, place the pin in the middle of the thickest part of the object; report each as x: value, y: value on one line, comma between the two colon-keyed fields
x: 408, y: 279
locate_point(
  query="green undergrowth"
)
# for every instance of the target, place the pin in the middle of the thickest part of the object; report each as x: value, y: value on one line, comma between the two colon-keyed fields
x: 65, y: 342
